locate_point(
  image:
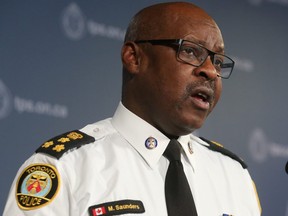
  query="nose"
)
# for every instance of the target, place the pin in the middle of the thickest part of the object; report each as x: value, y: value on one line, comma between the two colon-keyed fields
x: 206, y: 70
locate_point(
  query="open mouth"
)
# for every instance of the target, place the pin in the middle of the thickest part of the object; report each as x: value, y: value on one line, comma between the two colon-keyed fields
x: 202, y: 97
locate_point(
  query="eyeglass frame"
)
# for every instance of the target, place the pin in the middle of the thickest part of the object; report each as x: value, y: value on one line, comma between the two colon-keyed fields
x: 179, y: 42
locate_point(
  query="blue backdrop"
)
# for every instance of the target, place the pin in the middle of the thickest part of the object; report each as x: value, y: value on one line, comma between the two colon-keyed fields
x: 60, y: 69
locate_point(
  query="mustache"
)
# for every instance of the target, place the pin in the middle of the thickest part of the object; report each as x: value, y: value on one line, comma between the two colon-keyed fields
x: 191, y: 87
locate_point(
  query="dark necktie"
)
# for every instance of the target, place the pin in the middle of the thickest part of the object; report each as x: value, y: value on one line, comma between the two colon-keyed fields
x: 179, y: 199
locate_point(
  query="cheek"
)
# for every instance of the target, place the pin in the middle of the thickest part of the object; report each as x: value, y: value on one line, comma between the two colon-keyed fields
x: 166, y: 77
x: 173, y: 85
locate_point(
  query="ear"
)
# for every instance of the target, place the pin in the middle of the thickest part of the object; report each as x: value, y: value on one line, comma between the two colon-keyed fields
x: 130, y: 55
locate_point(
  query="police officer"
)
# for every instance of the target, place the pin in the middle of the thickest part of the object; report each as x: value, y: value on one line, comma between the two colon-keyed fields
x: 173, y: 65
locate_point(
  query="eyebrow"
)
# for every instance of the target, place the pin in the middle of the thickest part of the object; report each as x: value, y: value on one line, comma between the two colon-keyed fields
x: 219, y: 49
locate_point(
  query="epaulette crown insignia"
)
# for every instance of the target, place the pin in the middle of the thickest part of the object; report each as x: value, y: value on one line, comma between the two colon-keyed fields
x: 57, y: 146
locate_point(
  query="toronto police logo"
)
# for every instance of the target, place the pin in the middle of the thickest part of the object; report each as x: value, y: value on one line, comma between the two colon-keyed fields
x: 73, y: 22
x: 37, y: 186
x: 151, y: 143
x: 259, y: 146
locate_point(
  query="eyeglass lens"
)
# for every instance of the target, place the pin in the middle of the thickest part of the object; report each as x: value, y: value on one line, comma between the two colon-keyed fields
x: 195, y: 55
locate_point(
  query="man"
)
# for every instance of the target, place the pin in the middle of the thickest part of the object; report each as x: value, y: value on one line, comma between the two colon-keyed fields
x: 173, y: 62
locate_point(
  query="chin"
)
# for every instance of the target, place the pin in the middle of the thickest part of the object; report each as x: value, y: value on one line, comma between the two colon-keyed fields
x: 187, y: 128
x: 193, y: 124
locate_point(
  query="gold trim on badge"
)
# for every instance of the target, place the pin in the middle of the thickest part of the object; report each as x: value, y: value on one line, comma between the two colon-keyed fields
x: 37, y: 186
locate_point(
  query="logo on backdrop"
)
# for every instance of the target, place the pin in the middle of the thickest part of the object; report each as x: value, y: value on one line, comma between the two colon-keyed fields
x: 73, y: 22
x: 261, y: 148
x: 8, y: 102
x: 5, y: 101
x: 76, y: 25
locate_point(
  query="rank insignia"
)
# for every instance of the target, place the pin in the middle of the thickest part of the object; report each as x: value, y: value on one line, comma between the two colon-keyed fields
x: 37, y: 186
x: 57, y: 146
x: 190, y: 148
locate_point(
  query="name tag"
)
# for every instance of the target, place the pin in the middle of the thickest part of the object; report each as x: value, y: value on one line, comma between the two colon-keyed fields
x: 117, y: 208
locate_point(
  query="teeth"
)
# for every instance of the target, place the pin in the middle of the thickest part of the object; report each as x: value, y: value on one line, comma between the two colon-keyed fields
x: 202, y: 95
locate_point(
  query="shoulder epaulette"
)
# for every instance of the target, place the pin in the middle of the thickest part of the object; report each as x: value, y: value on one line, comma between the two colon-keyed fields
x: 214, y: 146
x: 57, y: 146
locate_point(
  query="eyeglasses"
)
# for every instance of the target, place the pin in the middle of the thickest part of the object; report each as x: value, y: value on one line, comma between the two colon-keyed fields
x: 195, y: 55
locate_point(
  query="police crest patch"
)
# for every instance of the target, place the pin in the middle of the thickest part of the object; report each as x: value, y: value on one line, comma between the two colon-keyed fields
x: 37, y: 186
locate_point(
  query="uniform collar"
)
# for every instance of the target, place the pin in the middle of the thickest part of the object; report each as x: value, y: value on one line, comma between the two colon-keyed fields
x: 136, y: 131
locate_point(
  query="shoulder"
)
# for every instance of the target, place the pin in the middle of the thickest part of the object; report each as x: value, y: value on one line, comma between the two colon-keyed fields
x: 72, y: 140
x: 214, y: 146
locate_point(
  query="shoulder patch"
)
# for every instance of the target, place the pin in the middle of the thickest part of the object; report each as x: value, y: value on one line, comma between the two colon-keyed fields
x: 57, y: 146
x: 214, y: 146
x: 37, y: 186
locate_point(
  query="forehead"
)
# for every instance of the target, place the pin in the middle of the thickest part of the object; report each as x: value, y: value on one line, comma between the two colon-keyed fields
x: 183, y: 21
x: 209, y: 38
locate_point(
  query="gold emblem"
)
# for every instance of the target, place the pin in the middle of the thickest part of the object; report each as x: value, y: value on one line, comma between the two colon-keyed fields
x: 74, y: 135
x: 218, y: 144
x: 59, y: 148
x: 63, y: 140
x: 47, y: 144
x: 36, y: 183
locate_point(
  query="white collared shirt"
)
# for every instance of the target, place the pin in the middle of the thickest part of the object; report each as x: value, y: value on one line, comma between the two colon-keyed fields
x: 118, y: 166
